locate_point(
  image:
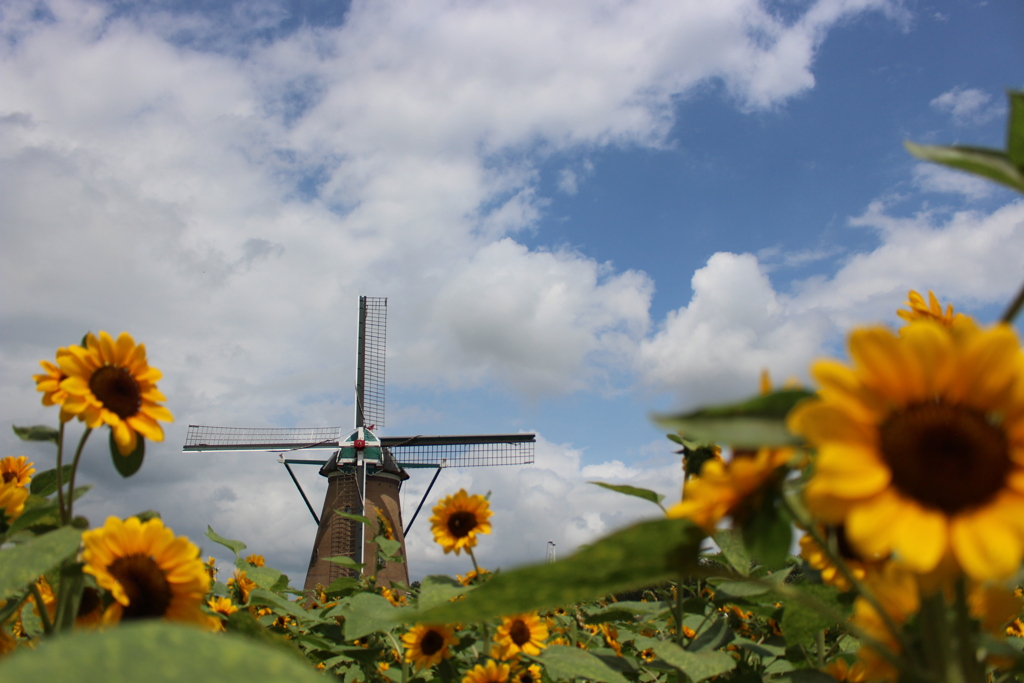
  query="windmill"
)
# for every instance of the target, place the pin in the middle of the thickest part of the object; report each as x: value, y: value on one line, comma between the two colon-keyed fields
x: 365, y: 471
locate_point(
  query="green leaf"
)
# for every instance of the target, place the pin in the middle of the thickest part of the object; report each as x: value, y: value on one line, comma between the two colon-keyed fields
x: 146, y: 515
x: 388, y: 549
x: 768, y: 535
x: 24, y: 563
x: 1015, y: 129
x: 260, y: 596
x: 44, y: 513
x: 801, y: 623
x: 566, y: 663
x: 646, y: 494
x: 756, y: 422
x: 698, y: 666
x: 344, y: 561
x: 45, y: 483
x: 712, y: 637
x: 264, y: 577
x: 805, y: 676
x: 438, y: 590
x: 156, y: 652
x: 69, y: 596
x: 622, y: 611
x: 37, y: 433
x: 988, y: 163
x: 127, y: 465
x: 354, y: 518
x: 731, y: 543
x: 234, y: 546
x: 640, y: 555
x: 367, y: 613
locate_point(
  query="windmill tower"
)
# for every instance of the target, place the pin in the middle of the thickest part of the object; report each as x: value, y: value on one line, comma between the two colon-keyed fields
x: 364, y: 471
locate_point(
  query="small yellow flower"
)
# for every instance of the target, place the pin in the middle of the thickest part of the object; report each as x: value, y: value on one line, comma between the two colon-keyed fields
x: 722, y: 489
x: 255, y: 560
x: 18, y: 471
x: 383, y: 525
x: 1015, y: 629
x: 521, y: 633
x: 12, y: 500
x: 49, y: 383
x: 394, y: 597
x: 527, y: 674
x: 149, y: 571
x: 919, y: 310
x: 472, y: 576
x: 458, y: 519
x: 109, y: 382
x: 241, y: 584
x: 492, y: 672
x: 222, y: 606
x: 830, y: 574
x: 427, y: 644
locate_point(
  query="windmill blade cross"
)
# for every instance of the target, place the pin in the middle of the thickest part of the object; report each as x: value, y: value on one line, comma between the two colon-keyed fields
x: 475, y: 450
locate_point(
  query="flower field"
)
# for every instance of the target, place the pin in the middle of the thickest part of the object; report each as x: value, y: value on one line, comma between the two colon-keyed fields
x: 899, y: 477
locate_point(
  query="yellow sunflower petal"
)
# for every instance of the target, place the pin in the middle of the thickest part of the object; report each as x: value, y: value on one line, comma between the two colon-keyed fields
x: 985, y: 545
x: 884, y: 363
x: 920, y: 537
x: 850, y: 471
x: 869, y: 525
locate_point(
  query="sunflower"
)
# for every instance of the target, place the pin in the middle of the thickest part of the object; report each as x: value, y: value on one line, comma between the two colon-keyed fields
x: 458, y: 519
x: 383, y: 525
x: 521, y: 633
x: 473, y: 576
x: 919, y: 310
x: 241, y: 584
x: 255, y: 560
x: 818, y: 559
x: 17, y: 470
x: 921, y: 446
x: 492, y: 672
x: 149, y: 571
x: 49, y: 383
x: 12, y: 500
x: 110, y: 382
x: 527, y: 674
x: 723, y: 489
x: 427, y: 644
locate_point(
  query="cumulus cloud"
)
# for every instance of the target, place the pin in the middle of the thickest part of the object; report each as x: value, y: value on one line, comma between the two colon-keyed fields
x: 967, y: 105
x: 933, y: 178
x: 225, y: 195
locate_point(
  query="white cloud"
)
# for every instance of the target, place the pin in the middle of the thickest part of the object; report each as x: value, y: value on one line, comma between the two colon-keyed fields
x: 967, y: 105
x: 933, y: 178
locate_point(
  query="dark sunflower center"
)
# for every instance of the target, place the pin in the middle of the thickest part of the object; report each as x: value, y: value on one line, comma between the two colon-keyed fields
x: 945, y: 457
x: 117, y: 390
x: 461, y: 523
x: 149, y: 594
x: 432, y: 643
x: 519, y: 633
x: 9, y: 477
x: 90, y: 601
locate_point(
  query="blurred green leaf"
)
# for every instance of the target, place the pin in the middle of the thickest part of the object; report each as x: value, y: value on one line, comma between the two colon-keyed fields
x: 756, y: 422
x: 698, y: 666
x: 155, y: 652
x: 389, y: 549
x: 566, y: 663
x: 22, y: 564
x: 768, y: 533
x: 234, y: 546
x: 805, y: 676
x: 127, y: 465
x: 146, y: 515
x: 354, y: 518
x: 366, y: 613
x: 344, y: 561
x: 801, y: 622
x: 646, y: 494
x: 637, y: 556
x: 438, y: 590
x: 39, y: 512
x: 260, y: 596
x: 622, y: 611
x: 713, y: 636
x: 37, y: 433
x: 45, y: 483
x: 988, y: 163
x: 1015, y: 129
x: 731, y: 543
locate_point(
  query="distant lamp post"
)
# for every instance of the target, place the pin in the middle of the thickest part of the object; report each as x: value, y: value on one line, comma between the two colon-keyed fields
x: 551, y: 551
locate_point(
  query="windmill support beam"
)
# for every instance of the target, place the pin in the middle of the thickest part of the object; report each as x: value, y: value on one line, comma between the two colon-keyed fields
x: 301, y: 492
x: 424, y: 499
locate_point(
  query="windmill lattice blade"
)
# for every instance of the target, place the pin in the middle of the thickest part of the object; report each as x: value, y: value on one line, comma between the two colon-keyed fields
x: 462, y: 451
x: 205, y: 438
x: 373, y: 362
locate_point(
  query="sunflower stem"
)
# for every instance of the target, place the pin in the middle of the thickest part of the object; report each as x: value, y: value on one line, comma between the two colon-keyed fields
x: 1014, y: 308
x: 819, y: 641
x: 973, y: 671
x: 74, y: 470
x: 44, y: 616
x: 936, y: 641
x: 60, y: 466
x: 858, y: 585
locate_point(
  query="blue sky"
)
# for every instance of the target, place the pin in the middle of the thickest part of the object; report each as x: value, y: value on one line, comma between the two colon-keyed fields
x: 580, y: 213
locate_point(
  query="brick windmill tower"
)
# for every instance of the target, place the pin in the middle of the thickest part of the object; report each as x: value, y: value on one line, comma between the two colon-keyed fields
x: 364, y: 471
